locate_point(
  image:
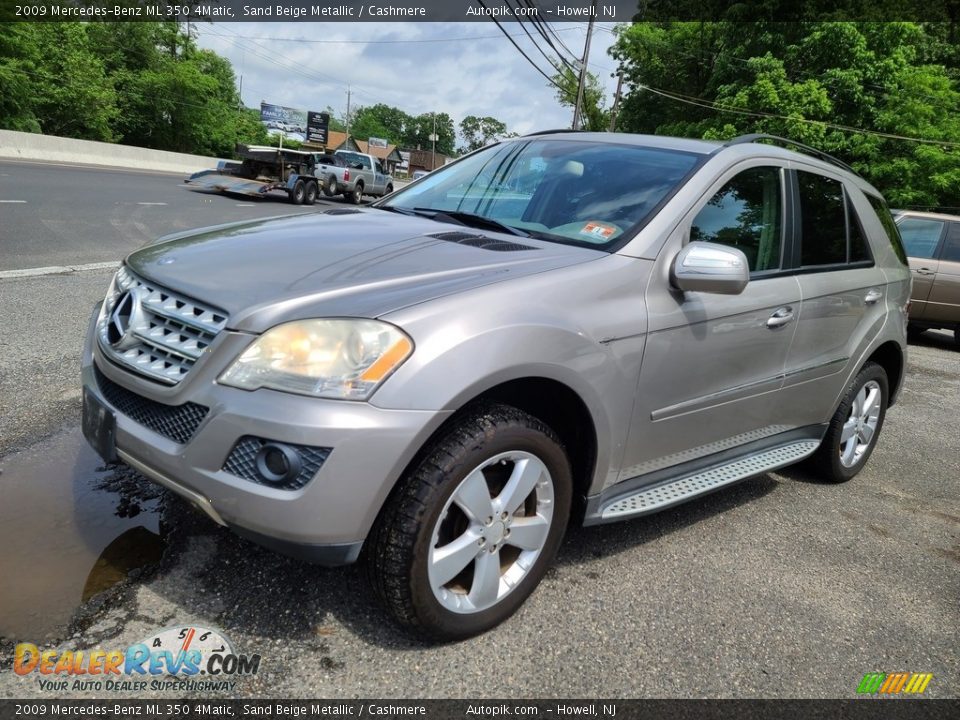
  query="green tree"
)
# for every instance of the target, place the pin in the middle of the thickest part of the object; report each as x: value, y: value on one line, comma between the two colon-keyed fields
x: 57, y: 83
x: 855, y: 90
x: 418, y: 131
x: 480, y: 131
x: 596, y: 117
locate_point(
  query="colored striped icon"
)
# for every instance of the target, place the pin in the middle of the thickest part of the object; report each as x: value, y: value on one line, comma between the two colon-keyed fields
x: 894, y: 683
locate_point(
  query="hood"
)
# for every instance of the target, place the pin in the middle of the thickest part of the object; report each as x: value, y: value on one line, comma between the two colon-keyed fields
x: 354, y: 263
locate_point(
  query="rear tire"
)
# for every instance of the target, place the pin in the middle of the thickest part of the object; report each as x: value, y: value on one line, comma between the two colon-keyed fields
x: 469, y: 532
x: 356, y: 197
x: 311, y: 193
x: 389, y: 189
x: 852, y: 433
x: 298, y: 194
x: 330, y: 186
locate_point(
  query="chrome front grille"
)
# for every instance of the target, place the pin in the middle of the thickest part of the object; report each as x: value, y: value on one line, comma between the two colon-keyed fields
x: 154, y: 331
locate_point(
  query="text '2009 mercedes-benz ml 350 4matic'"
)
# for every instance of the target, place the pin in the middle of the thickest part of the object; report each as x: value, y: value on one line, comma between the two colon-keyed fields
x: 564, y: 327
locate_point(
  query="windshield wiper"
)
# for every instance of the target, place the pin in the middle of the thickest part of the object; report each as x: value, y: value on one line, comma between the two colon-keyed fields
x: 470, y: 220
x: 391, y: 208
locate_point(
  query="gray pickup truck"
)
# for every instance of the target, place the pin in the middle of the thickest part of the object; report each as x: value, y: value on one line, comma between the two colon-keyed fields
x: 353, y: 175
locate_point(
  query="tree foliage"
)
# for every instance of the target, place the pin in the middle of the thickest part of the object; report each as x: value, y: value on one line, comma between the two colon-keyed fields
x: 480, y: 131
x: 854, y: 90
x: 595, y: 117
x: 399, y: 128
x: 148, y: 84
x: 144, y: 84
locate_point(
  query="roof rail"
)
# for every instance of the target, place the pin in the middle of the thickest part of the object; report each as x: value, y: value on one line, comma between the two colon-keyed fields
x: 776, y: 139
x: 554, y: 132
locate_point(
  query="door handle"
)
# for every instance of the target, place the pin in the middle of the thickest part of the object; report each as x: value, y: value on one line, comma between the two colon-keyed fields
x: 873, y: 296
x: 924, y: 271
x: 780, y: 317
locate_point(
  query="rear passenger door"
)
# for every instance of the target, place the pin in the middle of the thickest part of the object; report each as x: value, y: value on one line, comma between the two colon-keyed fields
x: 922, y: 239
x: 943, y: 304
x: 843, y: 295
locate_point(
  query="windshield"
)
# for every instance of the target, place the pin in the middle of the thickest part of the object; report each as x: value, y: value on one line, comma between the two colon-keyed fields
x: 556, y: 189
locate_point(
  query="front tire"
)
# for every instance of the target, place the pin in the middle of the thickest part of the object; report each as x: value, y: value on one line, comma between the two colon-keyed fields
x: 471, y: 530
x: 856, y: 425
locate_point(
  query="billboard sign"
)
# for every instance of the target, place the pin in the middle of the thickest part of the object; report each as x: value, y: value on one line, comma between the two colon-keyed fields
x: 291, y: 122
x: 377, y: 142
x: 318, y: 124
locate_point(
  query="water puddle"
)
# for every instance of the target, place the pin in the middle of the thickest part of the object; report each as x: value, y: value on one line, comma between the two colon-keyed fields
x: 69, y: 528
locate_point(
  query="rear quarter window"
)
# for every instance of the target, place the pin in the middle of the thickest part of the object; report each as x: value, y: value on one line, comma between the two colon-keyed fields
x: 889, y: 226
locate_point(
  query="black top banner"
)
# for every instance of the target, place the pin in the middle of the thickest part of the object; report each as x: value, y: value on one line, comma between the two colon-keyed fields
x: 553, y: 11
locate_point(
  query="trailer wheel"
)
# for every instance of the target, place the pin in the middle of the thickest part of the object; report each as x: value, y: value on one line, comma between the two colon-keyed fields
x: 330, y: 186
x: 311, y: 193
x: 356, y: 197
x: 298, y: 193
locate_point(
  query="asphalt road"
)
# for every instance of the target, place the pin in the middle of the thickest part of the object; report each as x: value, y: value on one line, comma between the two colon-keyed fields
x: 55, y: 215
x: 782, y: 586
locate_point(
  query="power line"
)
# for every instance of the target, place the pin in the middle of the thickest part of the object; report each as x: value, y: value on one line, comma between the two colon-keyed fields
x: 384, y: 42
x: 519, y: 49
x: 553, y: 62
x: 710, y: 105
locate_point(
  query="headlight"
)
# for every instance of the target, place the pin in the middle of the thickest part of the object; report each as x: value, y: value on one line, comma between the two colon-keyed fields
x: 345, y: 359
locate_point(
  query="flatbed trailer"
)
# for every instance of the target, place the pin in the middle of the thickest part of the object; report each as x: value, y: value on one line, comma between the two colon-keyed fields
x: 263, y: 170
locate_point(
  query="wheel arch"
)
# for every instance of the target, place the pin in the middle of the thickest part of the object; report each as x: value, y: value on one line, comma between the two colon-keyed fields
x: 889, y: 356
x: 553, y: 402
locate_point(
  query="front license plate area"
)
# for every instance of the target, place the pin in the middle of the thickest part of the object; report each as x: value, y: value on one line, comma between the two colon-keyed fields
x: 99, y: 426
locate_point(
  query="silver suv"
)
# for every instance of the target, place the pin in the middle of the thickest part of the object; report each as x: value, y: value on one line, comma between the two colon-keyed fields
x: 564, y: 327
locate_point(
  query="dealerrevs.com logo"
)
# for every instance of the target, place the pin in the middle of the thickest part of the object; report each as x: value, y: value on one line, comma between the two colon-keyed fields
x: 904, y: 683
x: 182, y: 652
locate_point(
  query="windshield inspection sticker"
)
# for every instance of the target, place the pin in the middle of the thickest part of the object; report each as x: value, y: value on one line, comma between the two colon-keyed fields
x: 598, y: 230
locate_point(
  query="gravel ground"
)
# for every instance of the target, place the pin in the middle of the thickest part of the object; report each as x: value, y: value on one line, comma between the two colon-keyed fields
x: 779, y: 587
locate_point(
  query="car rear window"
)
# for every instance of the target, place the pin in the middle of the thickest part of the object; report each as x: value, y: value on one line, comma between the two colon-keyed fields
x: 951, y: 247
x: 824, y: 220
x: 886, y: 219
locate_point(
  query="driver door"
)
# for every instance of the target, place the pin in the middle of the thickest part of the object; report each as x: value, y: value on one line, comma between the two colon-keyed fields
x: 713, y: 364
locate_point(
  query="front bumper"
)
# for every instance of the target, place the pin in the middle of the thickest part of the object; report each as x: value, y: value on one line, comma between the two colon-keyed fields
x: 326, y: 520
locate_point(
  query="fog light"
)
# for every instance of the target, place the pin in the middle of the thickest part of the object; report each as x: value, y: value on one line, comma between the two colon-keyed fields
x: 278, y: 463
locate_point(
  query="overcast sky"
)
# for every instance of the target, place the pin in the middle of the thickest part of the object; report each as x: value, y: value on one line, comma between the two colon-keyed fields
x: 459, y: 68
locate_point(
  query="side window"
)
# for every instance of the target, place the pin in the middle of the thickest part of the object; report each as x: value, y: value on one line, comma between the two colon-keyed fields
x: 886, y: 219
x: 746, y: 214
x: 824, y: 220
x: 951, y: 248
x: 920, y: 236
x: 859, y: 250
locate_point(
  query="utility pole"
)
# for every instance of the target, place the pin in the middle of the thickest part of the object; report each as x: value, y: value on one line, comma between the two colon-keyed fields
x: 433, y: 140
x: 348, y: 112
x: 583, y: 68
x: 616, y: 103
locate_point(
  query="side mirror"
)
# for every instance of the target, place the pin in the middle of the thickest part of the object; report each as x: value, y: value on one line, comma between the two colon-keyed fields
x: 712, y: 268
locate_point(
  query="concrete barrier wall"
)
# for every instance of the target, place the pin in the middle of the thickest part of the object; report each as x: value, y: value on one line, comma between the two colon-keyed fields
x: 32, y: 146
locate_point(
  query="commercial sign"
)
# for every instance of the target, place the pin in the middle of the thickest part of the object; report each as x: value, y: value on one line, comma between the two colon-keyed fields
x: 318, y: 124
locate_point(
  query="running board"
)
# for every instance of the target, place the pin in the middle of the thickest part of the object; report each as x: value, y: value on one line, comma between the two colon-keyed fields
x: 673, y: 492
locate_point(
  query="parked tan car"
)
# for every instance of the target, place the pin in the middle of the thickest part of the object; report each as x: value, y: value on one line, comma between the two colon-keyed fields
x: 932, y: 242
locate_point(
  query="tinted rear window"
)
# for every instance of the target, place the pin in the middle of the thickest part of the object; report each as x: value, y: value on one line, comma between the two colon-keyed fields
x: 824, y: 220
x: 886, y: 219
x: 951, y: 248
